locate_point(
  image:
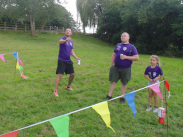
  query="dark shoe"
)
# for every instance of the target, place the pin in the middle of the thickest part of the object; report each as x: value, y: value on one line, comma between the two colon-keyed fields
x: 122, y: 100
x: 108, y: 97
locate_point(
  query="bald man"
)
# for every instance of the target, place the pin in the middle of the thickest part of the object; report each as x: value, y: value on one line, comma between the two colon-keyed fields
x: 122, y: 58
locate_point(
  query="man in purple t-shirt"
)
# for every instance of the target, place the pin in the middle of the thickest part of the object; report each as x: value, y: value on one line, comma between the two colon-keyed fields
x: 123, y: 56
x: 65, y: 65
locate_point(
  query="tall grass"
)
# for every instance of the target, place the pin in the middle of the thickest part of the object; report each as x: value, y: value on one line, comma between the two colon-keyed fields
x: 25, y: 102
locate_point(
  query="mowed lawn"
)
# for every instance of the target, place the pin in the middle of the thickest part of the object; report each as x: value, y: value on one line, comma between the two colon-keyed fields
x: 26, y: 102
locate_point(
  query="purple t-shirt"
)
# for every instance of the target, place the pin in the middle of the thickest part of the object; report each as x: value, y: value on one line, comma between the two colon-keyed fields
x: 125, y: 49
x: 65, y: 50
x: 153, y: 72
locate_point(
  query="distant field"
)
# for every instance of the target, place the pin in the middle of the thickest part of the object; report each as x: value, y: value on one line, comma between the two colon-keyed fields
x: 25, y: 102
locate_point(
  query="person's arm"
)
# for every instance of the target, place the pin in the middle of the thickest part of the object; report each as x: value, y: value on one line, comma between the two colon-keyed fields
x: 133, y: 58
x: 112, y: 59
x: 74, y: 55
x: 160, y: 76
x: 63, y: 41
x: 146, y: 76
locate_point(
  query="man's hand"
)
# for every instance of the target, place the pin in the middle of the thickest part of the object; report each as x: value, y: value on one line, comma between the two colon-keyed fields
x: 68, y: 39
x: 122, y: 57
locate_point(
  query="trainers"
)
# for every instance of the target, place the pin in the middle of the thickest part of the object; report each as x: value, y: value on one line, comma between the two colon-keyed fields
x: 155, y: 110
x: 122, y: 100
x: 69, y: 88
x: 55, y: 93
x: 149, y: 108
x: 108, y: 97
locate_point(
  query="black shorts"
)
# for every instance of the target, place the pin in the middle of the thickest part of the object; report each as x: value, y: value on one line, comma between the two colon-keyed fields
x: 65, y: 66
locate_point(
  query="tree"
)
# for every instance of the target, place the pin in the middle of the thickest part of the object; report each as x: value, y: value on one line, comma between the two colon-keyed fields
x: 90, y: 11
x: 36, y: 11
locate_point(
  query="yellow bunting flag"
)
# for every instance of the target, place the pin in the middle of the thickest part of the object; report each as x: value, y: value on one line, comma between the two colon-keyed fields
x: 103, y: 110
x: 17, y: 66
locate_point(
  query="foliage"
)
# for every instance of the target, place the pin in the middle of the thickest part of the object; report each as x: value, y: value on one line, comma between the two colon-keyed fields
x: 90, y: 11
x: 42, y: 12
x: 25, y: 102
x: 152, y: 24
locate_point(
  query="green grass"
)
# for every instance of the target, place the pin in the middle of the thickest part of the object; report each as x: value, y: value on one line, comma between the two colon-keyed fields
x: 25, y: 102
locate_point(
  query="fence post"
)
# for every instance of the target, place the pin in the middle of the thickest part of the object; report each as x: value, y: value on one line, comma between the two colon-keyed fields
x: 50, y: 28
x: 25, y: 26
x: 4, y: 25
x: 16, y: 26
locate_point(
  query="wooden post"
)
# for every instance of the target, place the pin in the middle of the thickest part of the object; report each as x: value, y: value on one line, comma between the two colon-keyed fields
x: 25, y: 26
x: 5, y: 26
x: 16, y: 26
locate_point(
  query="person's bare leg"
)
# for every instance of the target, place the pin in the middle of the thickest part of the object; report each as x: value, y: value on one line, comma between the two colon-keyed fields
x: 150, y: 96
x: 111, y: 89
x: 71, y: 77
x: 123, y: 89
x: 59, y: 76
x: 155, y: 99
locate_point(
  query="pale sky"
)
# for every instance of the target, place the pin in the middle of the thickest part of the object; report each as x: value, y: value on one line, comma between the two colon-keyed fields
x: 71, y: 7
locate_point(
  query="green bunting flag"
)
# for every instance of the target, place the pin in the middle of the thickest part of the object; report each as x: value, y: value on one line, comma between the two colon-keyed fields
x: 61, y: 126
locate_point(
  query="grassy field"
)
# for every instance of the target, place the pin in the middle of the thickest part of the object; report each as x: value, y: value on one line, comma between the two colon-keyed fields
x: 25, y: 102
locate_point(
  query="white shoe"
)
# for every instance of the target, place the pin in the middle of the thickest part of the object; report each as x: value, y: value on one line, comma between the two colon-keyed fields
x: 155, y: 110
x: 149, y: 108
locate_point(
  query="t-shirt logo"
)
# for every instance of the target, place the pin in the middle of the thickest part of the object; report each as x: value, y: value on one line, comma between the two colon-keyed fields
x: 124, y: 48
x: 70, y: 44
x: 154, y: 74
x: 119, y: 47
x: 149, y: 74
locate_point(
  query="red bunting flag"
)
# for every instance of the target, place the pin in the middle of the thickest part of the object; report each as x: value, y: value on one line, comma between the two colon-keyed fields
x: 24, y: 77
x: 167, y: 87
x: 10, y: 134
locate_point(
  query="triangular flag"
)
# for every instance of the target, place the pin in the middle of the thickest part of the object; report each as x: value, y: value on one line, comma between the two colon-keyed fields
x: 17, y: 66
x: 23, y: 76
x: 155, y: 88
x: 167, y: 85
x: 21, y: 67
x: 10, y: 134
x: 103, y: 110
x: 130, y: 100
x: 2, y: 57
x: 61, y: 126
x: 15, y: 55
x: 20, y: 62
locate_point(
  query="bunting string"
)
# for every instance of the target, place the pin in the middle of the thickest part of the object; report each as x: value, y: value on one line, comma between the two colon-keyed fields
x: 82, y: 108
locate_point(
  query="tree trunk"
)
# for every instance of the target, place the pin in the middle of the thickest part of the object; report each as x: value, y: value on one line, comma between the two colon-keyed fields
x: 32, y: 23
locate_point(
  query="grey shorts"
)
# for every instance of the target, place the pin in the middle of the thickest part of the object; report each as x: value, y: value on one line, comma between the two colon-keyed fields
x: 151, y: 83
x: 123, y: 74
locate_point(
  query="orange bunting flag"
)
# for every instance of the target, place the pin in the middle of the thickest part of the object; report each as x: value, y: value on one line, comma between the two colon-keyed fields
x: 10, y: 134
x: 103, y: 110
x: 2, y: 57
x: 24, y: 77
x: 17, y: 66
